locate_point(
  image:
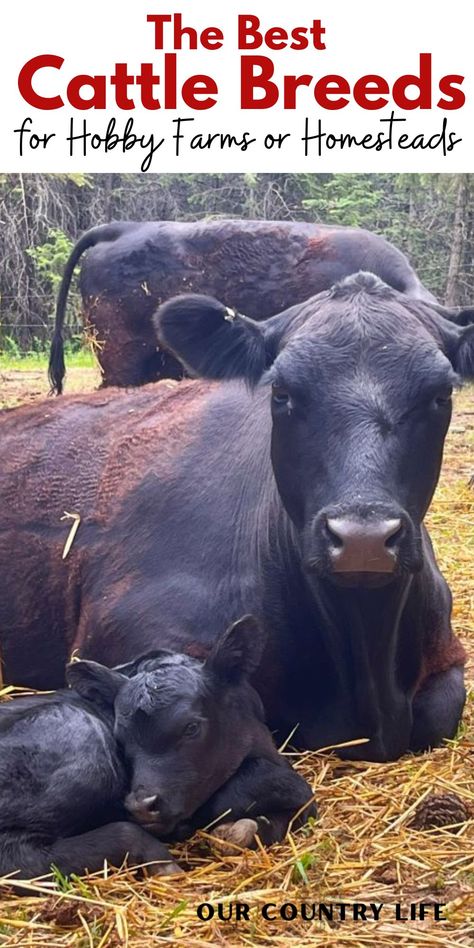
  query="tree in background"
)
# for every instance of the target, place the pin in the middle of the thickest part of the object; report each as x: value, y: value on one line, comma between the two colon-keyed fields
x: 428, y: 216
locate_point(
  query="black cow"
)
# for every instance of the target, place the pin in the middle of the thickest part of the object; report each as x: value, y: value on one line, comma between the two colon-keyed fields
x: 153, y: 740
x: 259, y: 267
x: 295, y: 489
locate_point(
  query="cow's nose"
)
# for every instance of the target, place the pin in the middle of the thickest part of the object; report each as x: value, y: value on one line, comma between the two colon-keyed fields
x: 359, y: 546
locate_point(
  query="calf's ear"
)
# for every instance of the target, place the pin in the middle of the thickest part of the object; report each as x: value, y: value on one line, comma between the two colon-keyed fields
x: 237, y: 653
x: 462, y: 353
x: 214, y: 342
x: 147, y: 662
x: 94, y: 682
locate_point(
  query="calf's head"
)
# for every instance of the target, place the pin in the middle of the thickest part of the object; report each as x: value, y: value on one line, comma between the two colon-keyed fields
x: 184, y: 725
x: 358, y: 381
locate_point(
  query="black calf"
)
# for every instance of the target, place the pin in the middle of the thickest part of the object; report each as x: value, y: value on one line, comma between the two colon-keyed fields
x: 163, y: 733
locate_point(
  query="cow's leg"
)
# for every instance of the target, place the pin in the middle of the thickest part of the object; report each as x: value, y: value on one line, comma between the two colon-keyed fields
x: 28, y: 857
x: 437, y: 708
x: 264, y: 795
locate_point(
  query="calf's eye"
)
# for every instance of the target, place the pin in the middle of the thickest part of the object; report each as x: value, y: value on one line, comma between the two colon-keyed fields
x: 192, y: 729
x: 280, y: 397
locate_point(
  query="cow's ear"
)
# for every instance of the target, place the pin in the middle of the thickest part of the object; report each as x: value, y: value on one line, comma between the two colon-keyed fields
x: 94, y: 682
x: 238, y: 652
x: 212, y: 341
x: 462, y: 354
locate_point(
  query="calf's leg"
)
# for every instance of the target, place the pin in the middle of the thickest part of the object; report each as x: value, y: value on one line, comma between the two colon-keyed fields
x: 265, y: 795
x: 437, y: 708
x: 27, y: 856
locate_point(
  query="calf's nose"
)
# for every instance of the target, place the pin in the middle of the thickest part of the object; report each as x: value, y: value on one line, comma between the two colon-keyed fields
x: 363, y: 546
x: 151, y: 804
x: 143, y: 807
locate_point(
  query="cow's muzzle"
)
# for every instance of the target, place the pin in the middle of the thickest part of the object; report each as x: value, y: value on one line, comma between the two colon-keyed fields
x: 364, y: 547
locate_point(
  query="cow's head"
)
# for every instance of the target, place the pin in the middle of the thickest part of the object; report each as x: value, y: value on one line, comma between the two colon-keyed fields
x: 359, y: 382
x: 184, y: 725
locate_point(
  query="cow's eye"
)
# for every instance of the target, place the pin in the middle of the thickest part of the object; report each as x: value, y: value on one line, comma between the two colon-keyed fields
x: 192, y: 729
x: 280, y: 396
x: 444, y: 398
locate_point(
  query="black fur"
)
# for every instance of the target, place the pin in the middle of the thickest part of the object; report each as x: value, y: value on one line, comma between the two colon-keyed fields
x: 76, y: 766
x: 214, y: 341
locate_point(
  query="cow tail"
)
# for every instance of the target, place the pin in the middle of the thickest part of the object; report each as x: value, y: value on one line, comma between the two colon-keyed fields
x: 56, y: 365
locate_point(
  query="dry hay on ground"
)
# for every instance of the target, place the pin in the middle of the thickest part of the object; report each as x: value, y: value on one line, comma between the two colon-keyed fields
x: 18, y: 385
x: 362, y: 849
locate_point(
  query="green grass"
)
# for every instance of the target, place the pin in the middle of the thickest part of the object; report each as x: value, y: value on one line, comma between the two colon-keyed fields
x: 37, y: 361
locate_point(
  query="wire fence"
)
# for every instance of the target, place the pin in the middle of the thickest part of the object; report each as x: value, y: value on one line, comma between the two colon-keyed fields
x: 23, y: 339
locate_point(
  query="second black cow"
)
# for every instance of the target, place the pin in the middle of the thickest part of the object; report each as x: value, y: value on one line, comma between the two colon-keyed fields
x: 258, y: 267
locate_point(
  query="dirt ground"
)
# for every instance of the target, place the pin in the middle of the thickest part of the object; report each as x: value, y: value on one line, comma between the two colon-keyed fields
x: 20, y: 386
x: 363, y: 848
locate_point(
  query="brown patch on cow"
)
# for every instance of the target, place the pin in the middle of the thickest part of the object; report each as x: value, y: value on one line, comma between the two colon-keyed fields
x: 111, y: 436
x: 84, y: 453
x: 443, y: 655
x: 197, y: 650
x: 122, y: 353
x: 95, y: 613
x: 174, y: 428
x: 319, y: 245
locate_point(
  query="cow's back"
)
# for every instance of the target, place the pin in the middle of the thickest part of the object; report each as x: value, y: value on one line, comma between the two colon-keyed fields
x: 68, y: 448
x: 259, y: 267
x: 61, y: 460
x: 47, y: 745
